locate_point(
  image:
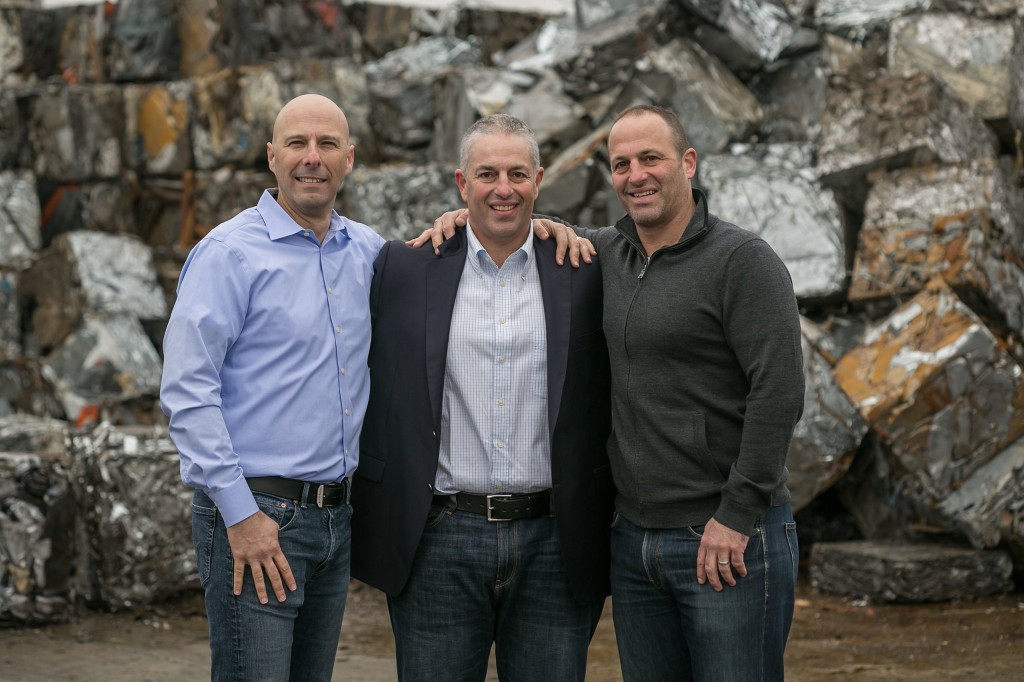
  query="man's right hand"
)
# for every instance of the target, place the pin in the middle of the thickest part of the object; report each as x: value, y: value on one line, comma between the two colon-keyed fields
x: 254, y: 544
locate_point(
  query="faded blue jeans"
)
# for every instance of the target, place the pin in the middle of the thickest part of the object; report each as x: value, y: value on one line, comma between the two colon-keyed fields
x: 292, y: 640
x: 670, y: 628
x: 476, y: 582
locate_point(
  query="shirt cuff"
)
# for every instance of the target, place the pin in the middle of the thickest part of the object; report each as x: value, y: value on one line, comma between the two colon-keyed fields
x: 235, y: 502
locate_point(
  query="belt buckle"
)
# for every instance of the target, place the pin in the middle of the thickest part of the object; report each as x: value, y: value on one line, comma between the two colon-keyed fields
x: 490, y: 508
x: 320, y: 496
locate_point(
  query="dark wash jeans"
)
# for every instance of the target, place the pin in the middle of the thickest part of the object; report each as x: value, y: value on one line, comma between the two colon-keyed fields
x: 292, y: 640
x: 475, y: 583
x: 670, y: 628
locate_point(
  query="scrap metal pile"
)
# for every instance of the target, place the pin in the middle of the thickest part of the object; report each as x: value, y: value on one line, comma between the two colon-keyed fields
x: 876, y: 146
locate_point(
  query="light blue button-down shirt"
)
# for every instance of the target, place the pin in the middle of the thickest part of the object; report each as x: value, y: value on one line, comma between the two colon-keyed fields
x: 265, y: 354
x: 494, y: 415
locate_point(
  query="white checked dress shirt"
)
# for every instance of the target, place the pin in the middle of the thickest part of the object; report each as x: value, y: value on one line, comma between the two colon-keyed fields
x: 494, y: 424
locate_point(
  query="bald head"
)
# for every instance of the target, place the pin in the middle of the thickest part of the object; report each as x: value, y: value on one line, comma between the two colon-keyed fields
x: 310, y: 105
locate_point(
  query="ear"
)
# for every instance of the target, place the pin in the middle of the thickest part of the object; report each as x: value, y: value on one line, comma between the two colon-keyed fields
x: 270, y: 155
x: 460, y: 180
x: 690, y: 162
x: 540, y: 177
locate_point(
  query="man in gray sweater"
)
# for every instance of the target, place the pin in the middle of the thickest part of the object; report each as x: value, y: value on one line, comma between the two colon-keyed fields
x: 707, y: 385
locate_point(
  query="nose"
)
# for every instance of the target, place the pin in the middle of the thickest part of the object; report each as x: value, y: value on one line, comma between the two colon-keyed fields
x: 637, y: 173
x: 312, y: 155
x: 503, y: 187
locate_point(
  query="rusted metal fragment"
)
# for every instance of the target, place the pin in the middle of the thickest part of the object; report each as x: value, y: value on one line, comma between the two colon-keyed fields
x: 399, y: 201
x: 109, y: 359
x: 23, y: 390
x: 573, y: 178
x: 893, y: 121
x: 938, y: 388
x: 604, y: 54
x: 831, y: 429
x: 198, y: 32
x: 793, y: 98
x: 91, y: 272
x: 382, y: 28
x: 746, y: 34
x: 37, y: 521
x: 224, y: 129
x: 892, y: 572
x: 76, y: 132
x: 134, y: 524
x: 988, y: 9
x: 157, y: 123
x: 962, y: 223
x: 988, y: 509
x: 857, y: 19
x: 103, y: 205
x: 81, y: 32
x: 14, y: 144
x: 402, y: 88
x: 10, y: 316
x: 766, y: 189
x: 714, y: 105
x: 971, y: 56
x: 255, y: 31
x: 20, y: 239
x: 143, y: 41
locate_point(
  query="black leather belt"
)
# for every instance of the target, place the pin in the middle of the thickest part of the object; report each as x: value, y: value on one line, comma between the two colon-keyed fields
x: 501, y: 507
x: 319, y: 494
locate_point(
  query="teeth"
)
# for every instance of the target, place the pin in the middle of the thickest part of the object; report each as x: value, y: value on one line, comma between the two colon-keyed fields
x: 503, y: 207
x: 643, y: 194
x: 311, y: 180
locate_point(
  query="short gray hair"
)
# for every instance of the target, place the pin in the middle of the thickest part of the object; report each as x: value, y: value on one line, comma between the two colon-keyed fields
x: 498, y: 124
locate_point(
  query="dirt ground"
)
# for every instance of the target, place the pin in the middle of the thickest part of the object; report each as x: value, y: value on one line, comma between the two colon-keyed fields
x: 833, y: 639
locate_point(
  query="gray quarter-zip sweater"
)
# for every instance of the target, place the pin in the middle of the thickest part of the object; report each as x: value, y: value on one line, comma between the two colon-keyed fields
x: 707, y: 373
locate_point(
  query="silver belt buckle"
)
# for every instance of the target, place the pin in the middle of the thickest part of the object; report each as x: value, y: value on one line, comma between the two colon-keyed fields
x: 490, y: 508
x: 320, y: 496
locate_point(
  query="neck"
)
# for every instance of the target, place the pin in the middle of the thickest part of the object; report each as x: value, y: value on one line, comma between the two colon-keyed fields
x: 654, y: 237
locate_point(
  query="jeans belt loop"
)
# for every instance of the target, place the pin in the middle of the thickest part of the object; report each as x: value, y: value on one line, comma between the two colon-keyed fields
x: 490, y: 508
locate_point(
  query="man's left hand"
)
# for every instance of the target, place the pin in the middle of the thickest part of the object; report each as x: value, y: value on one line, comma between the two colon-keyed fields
x: 721, y: 553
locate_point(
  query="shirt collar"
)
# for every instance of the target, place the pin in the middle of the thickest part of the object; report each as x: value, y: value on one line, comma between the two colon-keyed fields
x: 281, y: 225
x: 526, y: 249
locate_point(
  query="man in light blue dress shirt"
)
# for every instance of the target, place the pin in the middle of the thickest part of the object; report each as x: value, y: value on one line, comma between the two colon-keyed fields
x: 483, y: 498
x: 265, y: 384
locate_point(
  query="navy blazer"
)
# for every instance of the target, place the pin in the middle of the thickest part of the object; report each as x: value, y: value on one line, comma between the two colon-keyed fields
x: 411, y: 302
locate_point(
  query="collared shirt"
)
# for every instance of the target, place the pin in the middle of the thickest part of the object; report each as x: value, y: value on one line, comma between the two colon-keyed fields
x: 265, y: 354
x: 494, y: 423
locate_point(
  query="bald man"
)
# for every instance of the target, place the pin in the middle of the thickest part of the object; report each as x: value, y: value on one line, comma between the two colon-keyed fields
x: 265, y: 384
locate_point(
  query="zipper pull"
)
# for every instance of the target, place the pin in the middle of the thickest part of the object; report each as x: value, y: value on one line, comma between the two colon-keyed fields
x: 646, y: 263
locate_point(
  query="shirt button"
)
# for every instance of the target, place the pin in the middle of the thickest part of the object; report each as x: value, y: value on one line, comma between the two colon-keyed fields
x: 337, y: 329
x: 306, y: 233
x: 346, y: 452
x: 501, y: 282
x: 347, y: 413
x: 501, y: 320
x: 500, y: 445
x: 498, y: 486
x: 342, y: 371
x: 501, y: 359
x: 501, y: 403
x: 330, y: 290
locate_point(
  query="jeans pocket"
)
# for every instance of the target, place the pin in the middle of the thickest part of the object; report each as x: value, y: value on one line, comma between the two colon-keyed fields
x: 436, y: 515
x: 204, y: 524
x: 794, y: 547
x: 282, y: 511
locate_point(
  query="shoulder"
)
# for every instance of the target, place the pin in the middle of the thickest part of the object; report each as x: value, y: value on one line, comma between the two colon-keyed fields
x: 362, y: 233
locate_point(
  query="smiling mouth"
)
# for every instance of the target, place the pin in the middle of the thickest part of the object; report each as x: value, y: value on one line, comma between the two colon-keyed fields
x: 641, y: 195
x: 503, y: 207
x: 311, y: 181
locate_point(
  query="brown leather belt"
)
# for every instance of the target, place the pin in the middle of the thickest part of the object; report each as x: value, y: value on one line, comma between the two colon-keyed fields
x: 501, y: 507
x: 318, y: 494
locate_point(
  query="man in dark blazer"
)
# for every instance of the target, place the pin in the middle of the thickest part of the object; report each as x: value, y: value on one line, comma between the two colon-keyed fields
x: 483, y: 497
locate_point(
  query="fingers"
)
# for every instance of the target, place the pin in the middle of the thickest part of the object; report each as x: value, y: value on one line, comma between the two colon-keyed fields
x: 587, y: 250
x: 421, y: 240
x: 562, y: 242
x: 239, y: 575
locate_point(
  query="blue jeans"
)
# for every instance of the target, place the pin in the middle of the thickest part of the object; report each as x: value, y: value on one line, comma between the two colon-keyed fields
x: 668, y: 627
x: 292, y: 640
x: 475, y: 582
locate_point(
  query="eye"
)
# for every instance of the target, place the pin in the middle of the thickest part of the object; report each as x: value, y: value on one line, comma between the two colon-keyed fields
x: 485, y: 175
x: 620, y: 166
x: 520, y: 175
